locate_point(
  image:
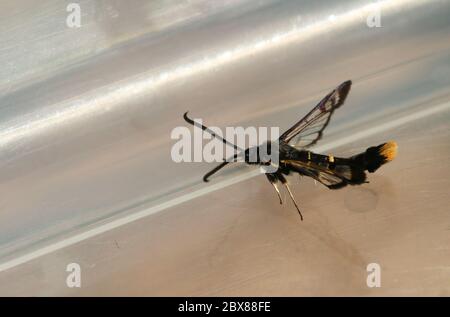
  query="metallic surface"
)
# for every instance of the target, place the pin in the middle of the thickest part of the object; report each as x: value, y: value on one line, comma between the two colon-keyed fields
x: 85, y: 122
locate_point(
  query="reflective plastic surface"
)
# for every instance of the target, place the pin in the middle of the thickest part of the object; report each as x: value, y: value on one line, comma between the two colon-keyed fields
x: 85, y: 122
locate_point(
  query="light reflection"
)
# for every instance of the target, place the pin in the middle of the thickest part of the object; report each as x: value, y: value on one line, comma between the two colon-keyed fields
x: 108, y: 98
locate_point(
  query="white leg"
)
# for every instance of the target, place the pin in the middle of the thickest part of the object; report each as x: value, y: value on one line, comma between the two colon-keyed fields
x: 283, y: 180
x: 273, y: 180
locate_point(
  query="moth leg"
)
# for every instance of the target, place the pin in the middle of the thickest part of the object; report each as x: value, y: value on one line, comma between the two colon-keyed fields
x: 273, y: 180
x: 284, y: 182
x: 218, y: 167
x: 214, y: 170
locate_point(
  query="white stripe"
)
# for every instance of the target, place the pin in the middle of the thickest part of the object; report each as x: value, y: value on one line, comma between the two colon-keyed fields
x: 383, y: 127
x: 176, y: 201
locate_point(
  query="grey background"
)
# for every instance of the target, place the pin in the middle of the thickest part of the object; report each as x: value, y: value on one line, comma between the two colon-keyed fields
x: 85, y: 122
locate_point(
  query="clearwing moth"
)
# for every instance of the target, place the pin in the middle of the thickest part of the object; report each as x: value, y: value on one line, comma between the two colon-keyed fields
x: 294, y: 156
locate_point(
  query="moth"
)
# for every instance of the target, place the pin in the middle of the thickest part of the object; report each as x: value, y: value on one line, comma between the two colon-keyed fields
x: 295, y: 156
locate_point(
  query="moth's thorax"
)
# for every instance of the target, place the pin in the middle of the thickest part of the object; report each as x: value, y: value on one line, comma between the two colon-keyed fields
x: 288, y: 152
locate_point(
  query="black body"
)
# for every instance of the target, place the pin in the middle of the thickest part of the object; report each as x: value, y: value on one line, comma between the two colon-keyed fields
x: 333, y: 172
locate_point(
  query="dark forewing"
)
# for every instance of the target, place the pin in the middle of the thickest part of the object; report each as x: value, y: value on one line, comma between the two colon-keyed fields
x: 309, y: 130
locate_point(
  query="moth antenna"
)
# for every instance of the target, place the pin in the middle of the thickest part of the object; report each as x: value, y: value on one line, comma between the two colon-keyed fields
x: 212, y: 133
x: 217, y: 168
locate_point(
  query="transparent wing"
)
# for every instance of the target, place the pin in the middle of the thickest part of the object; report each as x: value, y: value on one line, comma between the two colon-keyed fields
x: 309, y: 130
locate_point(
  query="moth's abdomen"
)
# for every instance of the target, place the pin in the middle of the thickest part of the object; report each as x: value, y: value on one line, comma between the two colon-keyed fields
x: 349, y: 172
x: 353, y: 169
x: 337, y: 172
x: 375, y: 156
